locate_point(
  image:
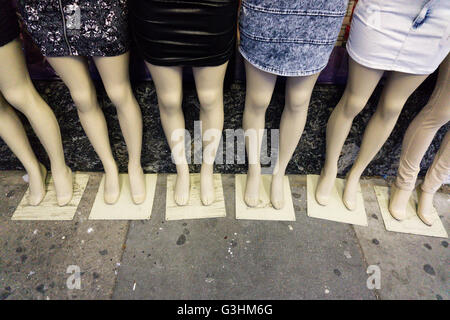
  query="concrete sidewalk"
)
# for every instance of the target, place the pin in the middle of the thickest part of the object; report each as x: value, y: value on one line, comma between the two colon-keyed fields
x: 219, y: 258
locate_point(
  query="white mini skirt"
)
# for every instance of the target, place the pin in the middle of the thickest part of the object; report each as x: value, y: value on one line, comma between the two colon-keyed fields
x: 411, y: 36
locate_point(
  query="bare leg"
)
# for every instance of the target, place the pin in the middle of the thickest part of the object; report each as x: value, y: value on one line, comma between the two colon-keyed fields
x: 74, y: 72
x: 13, y: 133
x: 360, y: 86
x: 260, y: 86
x: 435, y: 177
x: 16, y: 85
x: 293, y: 119
x: 209, y: 83
x: 169, y: 88
x: 418, y: 138
x: 115, y: 76
x: 397, y: 90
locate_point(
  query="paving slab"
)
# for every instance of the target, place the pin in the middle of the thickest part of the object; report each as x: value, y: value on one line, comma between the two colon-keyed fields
x: 224, y: 258
x: 35, y: 255
x: 412, y: 266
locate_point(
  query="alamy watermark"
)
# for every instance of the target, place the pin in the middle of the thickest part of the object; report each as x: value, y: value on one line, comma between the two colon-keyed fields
x: 227, y: 147
x: 74, y: 280
x: 374, y: 279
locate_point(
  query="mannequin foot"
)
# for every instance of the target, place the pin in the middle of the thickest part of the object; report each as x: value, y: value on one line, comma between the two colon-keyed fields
x: 425, y: 208
x: 137, y: 183
x: 37, y: 185
x: 251, y: 196
x: 182, y: 187
x: 349, y: 197
x: 63, y: 186
x: 277, y: 191
x: 207, y: 192
x: 112, y: 185
x: 325, y: 185
x: 398, y: 202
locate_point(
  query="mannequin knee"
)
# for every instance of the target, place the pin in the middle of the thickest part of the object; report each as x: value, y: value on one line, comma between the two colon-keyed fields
x: 390, y: 109
x: 84, y: 99
x: 169, y: 102
x: 257, y: 101
x: 119, y: 95
x: 298, y: 102
x: 209, y: 99
x: 18, y: 97
x: 440, y: 116
x: 353, y: 104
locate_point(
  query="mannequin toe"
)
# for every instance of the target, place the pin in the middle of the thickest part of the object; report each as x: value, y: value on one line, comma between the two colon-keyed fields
x: 63, y: 198
x: 277, y: 191
x: 137, y: 185
x: 426, y: 218
x: 397, y: 214
x: 36, y: 197
x: 322, y: 199
x: 181, y: 200
x: 278, y: 204
x: 111, y: 198
x: 251, y: 201
x: 324, y: 186
x: 398, y: 201
x: 350, y: 204
x: 207, y: 200
x: 425, y: 208
x: 138, y: 199
x: 36, y: 200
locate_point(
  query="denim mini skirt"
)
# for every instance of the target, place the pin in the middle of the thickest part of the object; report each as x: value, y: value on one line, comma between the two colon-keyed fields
x: 290, y: 37
x: 410, y: 36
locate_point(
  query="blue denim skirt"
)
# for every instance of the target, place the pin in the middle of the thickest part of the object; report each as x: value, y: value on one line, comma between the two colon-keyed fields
x: 290, y: 37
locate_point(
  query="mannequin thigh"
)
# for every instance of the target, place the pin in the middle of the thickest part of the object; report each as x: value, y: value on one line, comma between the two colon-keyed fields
x: 74, y: 72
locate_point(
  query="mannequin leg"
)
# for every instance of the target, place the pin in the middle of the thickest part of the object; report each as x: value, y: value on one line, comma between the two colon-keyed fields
x: 354, y: 99
x: 19, y: 91
x: 115, y: 76
x: 13, y: 133
x: 169, y: 88
x: 417, y: 139
x: 74, y: 72
x: 399, y: 86
x: 259, y: 90
x: 435, y: 177
x: 298, y: 94
x: 209, y: 83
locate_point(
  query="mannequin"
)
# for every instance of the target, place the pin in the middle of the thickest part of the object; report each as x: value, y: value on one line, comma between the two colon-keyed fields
x: 293, y: 39
x: 17, y: 89
x: 260, y: 86
x: 200, y: 35
x: 209, y: 85
x: 99, y: 30
x: 417, y: 139
x: 400, y: 37
x: 114, y: 73
x: 399, y: 86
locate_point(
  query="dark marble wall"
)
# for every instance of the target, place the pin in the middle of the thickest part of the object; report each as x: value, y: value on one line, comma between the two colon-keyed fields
x: 308, y: 157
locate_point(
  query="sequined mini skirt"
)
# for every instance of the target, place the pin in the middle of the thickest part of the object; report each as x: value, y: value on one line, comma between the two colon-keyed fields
x: 77, y: 27
x: 9, y: 28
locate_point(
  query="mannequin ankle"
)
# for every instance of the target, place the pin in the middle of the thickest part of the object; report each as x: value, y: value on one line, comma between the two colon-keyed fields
x: 403, y: 186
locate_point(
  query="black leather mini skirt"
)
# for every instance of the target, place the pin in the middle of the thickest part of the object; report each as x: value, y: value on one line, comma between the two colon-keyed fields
x: 184, y: 32
x: 9, y: 27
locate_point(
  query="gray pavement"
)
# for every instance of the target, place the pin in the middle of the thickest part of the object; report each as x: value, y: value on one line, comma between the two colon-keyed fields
x: 216, y: 258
